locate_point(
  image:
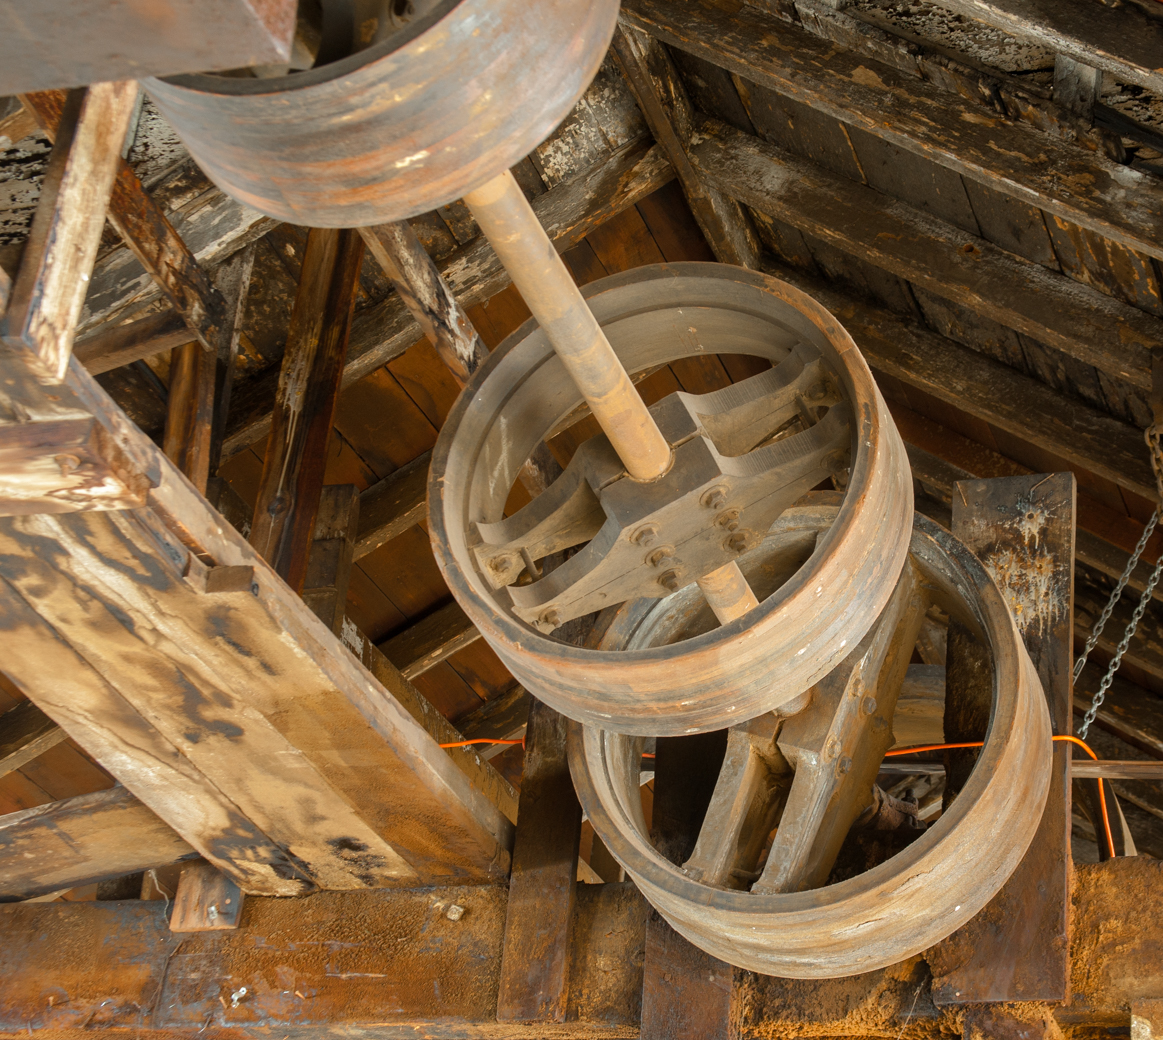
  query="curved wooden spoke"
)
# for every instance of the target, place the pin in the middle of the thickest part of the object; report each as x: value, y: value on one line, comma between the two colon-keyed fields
x: 837, y: 744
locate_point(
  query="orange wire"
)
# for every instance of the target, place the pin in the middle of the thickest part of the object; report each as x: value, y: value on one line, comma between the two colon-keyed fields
x: 1106, y: 823
x: 483, y: 740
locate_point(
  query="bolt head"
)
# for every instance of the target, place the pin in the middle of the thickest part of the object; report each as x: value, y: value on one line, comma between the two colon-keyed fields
x: 663, y: 556
x: 715, y: 498
x: 645, y: 535
x: 551, y: 618
x: 669, y: 581
x: 868, y: 705
x: 728, y: 520
x: 737, y: 542
x: 843, y: 766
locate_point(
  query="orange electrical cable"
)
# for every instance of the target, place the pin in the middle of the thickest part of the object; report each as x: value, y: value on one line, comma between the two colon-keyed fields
x: 483, y: 740
x: 1106, y: 823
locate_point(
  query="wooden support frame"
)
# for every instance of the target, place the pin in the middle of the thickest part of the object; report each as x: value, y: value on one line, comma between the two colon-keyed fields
x: 329, y: 560
x: 26, y: 733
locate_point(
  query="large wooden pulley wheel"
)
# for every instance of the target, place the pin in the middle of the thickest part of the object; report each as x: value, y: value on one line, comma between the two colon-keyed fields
x: 739, y: 457
x: 434, y: 104
x: 754, y: 890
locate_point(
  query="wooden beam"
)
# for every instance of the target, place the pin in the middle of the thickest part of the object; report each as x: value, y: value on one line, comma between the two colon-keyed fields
x: 1135, y: 769
x: 206, y: 900
x: 985, y: 388
x: 662, y: 98
x: 435, y: 638
x: 535, y: 960
x: 1017, y: 948
x: 16, y: 126
x: 1013, y: 158
x: 119, y: 345
x: 503, y: 718
x: 190, y: 411
x: 80, y: 841
x: 47, y: 293
x: 1129, y: 712
x: 392, y: 505
x: 26, y: 733
x: 685, y: 992
x: 329, y: 559
x: 1056, y: 310
x: 309, y: 381
x: 1124, y: 41
x: 568, y: 211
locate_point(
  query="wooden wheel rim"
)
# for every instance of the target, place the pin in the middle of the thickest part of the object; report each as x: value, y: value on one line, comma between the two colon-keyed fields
x: 760, y: 660
x: 402, y: 127
x: 909, y: 902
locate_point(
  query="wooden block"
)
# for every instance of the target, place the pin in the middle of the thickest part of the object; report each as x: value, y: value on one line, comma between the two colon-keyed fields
x: 206, y: 901
x: 1016, y: 949
x: 26, y: 732
x: 685, y: 992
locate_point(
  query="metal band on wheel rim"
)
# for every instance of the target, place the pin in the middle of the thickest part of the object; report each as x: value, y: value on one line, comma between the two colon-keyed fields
x: 903, y: 905
x: 764, y: 658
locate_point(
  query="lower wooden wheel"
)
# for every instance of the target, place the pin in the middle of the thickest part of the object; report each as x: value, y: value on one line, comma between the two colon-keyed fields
x: 749, y: 451
x: 759, y: 898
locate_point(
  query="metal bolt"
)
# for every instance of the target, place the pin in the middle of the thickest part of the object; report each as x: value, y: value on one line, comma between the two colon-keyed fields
x: 831, y: 749
x: 646, y: 535
x: 551, y: 618
x: 737, y: 542
x: 836, y: 460
x: 817, y: 392
x: 662, y: 556
x: 843, y: 766
x: 454, y: 912
x: 715, y: 498
x: 67, y: 463
x: 728, y: 519
x: 669, y: 580
x: 868, y: 705
x: 212, y: 912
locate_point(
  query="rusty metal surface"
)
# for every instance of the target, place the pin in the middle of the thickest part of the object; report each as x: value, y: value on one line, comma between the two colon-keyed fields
x: 48, y: 44
x: 901, y: 906
x: 405, y: 126
x: 653, y: 315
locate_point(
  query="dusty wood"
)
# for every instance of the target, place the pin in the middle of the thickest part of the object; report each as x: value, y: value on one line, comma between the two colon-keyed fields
x: 427, y: 296
x: 45, y: 301
x: 16, y: 126
x: 190, y: 411
x: 502, y: 718
x: 392, y: 505
x: 535, y: 960
x: 1145, y: 650
x: 107, y: 349
x: 26, y: 732
x: 426, y: 643
x: 1018, y: 404
x: 661, y: 96
x: 1052, y: 308
x: 82, y: 840
x: 147, y: 231
x: 1112, y: 770
x: 309, y: 381
x: 1076, y: 86
x: 232, y: 281
x: 1129, y: 712
x: 568, y: 212
x: 920, y: 117
x: 206, y: 900
x: 1022, y: 528
x: 685, y: 992
x: 329, y: 558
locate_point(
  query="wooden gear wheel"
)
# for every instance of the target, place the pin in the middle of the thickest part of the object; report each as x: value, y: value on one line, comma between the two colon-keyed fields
x: 760, y: 900
x: 741, y: 456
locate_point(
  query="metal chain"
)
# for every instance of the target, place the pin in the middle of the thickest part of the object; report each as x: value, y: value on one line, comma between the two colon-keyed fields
x: 1154, y: 438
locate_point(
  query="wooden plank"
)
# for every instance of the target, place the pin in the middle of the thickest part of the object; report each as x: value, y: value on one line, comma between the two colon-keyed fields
x: 1145, y: 650
x: 284, y: 516
x: 1129, y: 712
x: 685, y: 992
x: 1124, y: 41
x: 985, y: 388
x: 1119, y: 770
x: 391, y: 506
x: 190, y: 411
x: 1053, y: 309
x: 81, y: 840
x: 1014, y: 158
x: 26, y: 732
x: 661, y: 96
x: 329, y: 559
x: 502, y: 718
x: 110, y: 348
x: 206, y: 900
x: 1017, y: 948
x: 47, y: 293
x: 429, y: 641
x: 568, y: 212
x: 535, y: 960
x: 1077, y: 86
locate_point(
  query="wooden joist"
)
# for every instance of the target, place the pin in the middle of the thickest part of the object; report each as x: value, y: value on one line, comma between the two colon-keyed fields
x: 1124, y: 40
x: 1016, y: 159
x: 392, y: 505
x: 329, y: 559
x: 81, y: 840
x: 26, y: 733
x: 1056, y: 310
x: 435, y: 638
x: 1125, y: 770
x: 119, y: 345
x: 502, y: 718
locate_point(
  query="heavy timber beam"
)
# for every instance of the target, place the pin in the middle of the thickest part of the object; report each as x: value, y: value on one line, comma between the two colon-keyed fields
x: 569, y: 212
x: 1013, y: 158
x: 1123, y: 40
x: 255, y: 733
x: 1086, y: 324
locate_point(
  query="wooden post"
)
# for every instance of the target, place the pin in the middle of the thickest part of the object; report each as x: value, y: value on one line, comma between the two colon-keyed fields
x: 292, y: 476
x: 1022, y: 529
x: 661, y: 96
x: 539, y: 920
x: 190, y: 411
x: 330, y: 558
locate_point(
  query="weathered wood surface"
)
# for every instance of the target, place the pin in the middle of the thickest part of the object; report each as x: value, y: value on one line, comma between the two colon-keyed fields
x: 1017, y: 948
x: 190, y: 411
x: 1124, y: 41
x: 1129, y: 712
x: 535, y: 960
x: 390, y: 506
x: 397, y: 963
x: 309, y: 380
x: 1145, y: 650
x: 206, y: 900
x: 985, y: 388
x: 45, y: 301
x: 661, y: 96
x: 685, y: 992
x: 1056, y: 310
x: 81, y: 840
x: 329, y: 559
x: 502, y: 718
x: 1014, y: 158
x: 1132, y: 769
x: 26, y: 733
x: 424, y: 644
x: 110, y: 348
x: 568, y: 212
